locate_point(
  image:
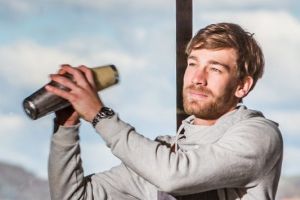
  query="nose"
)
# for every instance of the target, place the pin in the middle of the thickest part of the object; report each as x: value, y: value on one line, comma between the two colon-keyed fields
x: 199, y: 77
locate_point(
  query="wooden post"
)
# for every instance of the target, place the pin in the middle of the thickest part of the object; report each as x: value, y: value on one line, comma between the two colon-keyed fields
x: 184, y: 31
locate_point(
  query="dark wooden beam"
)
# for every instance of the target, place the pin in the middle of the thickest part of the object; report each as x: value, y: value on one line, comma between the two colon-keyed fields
x: 184, y: 31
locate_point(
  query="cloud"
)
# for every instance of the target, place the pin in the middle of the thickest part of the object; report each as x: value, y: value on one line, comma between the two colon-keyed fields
x: 28, y: 64
x: 126, y: 4
x: 130, y: 5
x: 17, y: 6
x: 10, y: 124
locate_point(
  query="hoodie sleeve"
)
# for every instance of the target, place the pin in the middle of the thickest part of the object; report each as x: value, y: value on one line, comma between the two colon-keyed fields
x: 245, y: 153
x: 67, y: 180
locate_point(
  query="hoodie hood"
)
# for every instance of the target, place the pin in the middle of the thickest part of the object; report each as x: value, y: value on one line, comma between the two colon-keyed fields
x: 190, y: 131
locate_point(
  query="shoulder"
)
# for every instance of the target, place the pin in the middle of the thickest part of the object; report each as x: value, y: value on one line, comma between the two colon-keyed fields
x: 259, y: 134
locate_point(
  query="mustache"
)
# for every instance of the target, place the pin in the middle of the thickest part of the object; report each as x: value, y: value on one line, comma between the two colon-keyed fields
x: 199, y: 89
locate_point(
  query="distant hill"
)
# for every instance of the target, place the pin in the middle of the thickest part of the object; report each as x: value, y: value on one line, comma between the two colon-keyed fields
x: 18, y: 184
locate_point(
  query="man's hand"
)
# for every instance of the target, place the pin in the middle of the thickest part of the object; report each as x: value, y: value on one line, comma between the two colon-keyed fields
x: 82, y: 94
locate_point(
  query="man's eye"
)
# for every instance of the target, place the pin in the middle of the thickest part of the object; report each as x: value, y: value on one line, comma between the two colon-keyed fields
x: 215, y: 70
x: 191, y: 64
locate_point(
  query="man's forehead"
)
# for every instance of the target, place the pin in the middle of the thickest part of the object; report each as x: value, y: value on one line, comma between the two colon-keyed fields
x: 225, y: 53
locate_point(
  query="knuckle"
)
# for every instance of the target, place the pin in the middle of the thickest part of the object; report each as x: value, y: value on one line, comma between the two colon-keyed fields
x: 86, y: 70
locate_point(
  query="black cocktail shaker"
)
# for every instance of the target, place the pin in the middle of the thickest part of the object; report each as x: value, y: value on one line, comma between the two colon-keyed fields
x: 42, y: 102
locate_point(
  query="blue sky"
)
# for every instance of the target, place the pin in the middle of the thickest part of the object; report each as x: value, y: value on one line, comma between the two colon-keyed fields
x: 139, y: 38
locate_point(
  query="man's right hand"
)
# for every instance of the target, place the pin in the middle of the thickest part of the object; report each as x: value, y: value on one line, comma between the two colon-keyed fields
x: 67, y: 116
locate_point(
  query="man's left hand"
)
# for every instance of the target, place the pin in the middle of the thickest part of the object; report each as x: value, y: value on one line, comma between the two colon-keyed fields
x: 82, y: 92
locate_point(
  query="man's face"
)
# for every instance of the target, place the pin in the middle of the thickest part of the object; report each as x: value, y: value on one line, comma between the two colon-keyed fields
x: 210, y: 82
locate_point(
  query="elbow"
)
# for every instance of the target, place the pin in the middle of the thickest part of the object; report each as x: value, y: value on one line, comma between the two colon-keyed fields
x: 171, y: 184
x: 168, y: 188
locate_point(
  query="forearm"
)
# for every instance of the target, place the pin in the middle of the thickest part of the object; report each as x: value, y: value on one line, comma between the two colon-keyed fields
x: 66, y: 178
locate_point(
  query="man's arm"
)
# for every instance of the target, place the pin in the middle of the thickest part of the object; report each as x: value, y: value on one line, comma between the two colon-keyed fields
x: 67, y: 181
x: 239, y: 159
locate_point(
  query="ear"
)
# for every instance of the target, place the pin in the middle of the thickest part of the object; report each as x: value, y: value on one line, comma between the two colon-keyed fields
x: 244, y: 87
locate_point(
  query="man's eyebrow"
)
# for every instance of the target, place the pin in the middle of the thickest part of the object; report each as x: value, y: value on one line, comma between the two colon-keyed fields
x: 227, y: 67
x: 192, y: 57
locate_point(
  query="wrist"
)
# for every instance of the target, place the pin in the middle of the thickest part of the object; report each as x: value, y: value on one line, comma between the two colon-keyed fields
x: 104, y: 113
x: 66, y: 123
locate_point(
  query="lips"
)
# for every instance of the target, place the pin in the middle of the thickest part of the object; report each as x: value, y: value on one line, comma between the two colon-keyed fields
x: 197, y: 93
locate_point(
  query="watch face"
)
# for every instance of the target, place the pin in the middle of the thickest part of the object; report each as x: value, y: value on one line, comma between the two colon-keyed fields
x: 107, y: 112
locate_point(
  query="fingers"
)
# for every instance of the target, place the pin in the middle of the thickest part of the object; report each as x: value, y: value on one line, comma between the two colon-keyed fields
x: 61, y: 70
x: 82, y: 95
x: 62, y: 93
x: 82, y: 78
x: 89, y: 75
x: 78, y: 75
x: 64, y: 81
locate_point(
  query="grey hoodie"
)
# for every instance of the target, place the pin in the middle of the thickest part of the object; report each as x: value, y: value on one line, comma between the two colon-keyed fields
x: 239, y: 157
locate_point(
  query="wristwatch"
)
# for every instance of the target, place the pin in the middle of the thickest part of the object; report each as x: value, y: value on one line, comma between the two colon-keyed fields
x: 104, y: 113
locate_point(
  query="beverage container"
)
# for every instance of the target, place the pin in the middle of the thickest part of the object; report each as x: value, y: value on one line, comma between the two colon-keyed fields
x: 42, y: 102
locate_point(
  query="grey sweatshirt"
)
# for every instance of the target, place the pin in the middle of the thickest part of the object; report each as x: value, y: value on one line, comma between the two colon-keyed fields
x: 239, y: 157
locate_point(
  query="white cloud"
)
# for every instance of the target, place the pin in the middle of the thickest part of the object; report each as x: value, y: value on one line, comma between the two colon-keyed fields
x: 31, y: 5
x: 28, y: 64
x: 204, y: 5
x: 17, y: 6
x: 10, y: 124
x: 127, y: 4
x: 27, y: 7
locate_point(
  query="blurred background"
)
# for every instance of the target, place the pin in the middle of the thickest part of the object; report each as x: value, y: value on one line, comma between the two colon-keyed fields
x: 139, y: 38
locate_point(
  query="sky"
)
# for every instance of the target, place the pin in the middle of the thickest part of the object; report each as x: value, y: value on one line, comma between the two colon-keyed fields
x: 139, y: 38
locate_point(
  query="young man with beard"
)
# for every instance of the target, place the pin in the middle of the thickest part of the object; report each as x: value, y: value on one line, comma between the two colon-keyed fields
x: 222, y: 151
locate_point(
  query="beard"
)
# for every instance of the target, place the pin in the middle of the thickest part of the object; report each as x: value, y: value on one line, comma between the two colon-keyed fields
x: 211, y: 108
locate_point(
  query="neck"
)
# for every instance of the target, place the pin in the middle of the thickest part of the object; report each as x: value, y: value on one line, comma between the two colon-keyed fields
x: 210, y: 122
x: 205, y: 122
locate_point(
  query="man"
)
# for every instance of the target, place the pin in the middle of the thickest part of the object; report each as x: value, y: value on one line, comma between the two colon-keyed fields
x: 222, y: 151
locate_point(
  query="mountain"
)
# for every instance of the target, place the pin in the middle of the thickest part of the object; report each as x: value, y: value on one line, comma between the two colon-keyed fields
x: 18, y: 184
